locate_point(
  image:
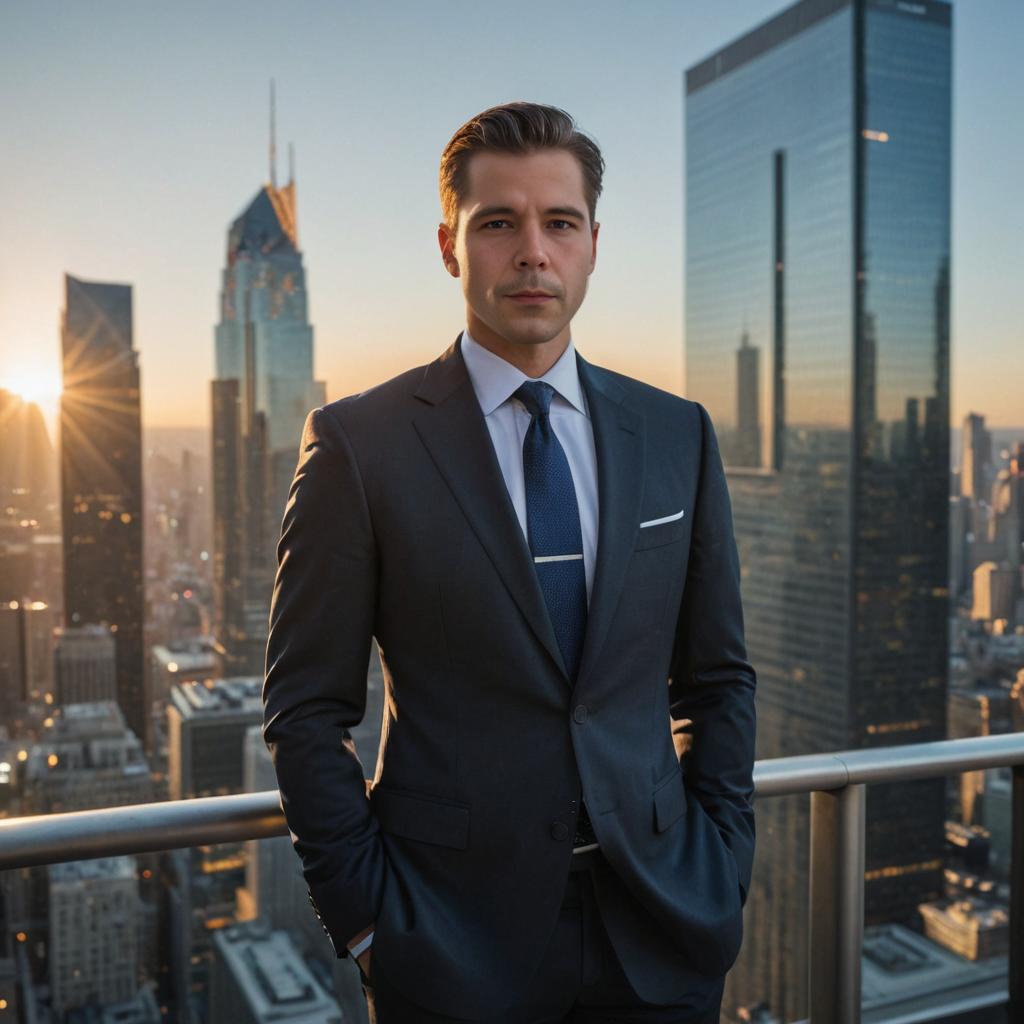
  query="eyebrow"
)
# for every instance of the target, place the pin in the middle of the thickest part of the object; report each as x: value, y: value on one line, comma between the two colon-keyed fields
x: 507, y: 211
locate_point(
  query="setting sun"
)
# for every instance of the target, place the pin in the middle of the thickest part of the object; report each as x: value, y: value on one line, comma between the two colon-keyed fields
x: 33, y: 385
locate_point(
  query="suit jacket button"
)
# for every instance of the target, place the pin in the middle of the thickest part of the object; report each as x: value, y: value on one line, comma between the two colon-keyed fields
x: 580, y: 713
x: 559, y: 830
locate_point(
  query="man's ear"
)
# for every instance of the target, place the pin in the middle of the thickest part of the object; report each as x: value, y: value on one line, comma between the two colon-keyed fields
x: 446, y: 241
x: 593, y: 245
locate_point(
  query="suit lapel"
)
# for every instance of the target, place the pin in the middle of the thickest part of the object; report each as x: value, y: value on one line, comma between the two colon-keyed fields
x: 619, y: 441
x: 453, y: 430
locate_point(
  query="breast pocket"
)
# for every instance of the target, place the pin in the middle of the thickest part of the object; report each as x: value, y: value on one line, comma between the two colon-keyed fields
x: 666, y: 529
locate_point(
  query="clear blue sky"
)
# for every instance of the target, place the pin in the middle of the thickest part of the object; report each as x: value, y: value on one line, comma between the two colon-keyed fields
x: 134, y: 132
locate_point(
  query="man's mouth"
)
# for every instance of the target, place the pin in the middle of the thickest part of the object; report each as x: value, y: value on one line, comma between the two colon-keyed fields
x: 530, y: 297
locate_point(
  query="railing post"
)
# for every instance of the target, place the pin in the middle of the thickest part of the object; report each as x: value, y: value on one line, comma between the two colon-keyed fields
x: 1016, y: 979
x: 837, y: 905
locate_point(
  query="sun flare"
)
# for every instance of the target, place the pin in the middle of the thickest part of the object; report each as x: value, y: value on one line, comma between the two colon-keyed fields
x: 33, y: 385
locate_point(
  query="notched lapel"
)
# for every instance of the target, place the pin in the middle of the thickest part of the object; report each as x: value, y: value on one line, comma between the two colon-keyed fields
x: 453, y: 430
x: 619, y: 438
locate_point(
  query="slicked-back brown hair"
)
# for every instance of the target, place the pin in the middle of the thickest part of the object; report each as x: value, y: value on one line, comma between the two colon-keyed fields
x: 517, y: 127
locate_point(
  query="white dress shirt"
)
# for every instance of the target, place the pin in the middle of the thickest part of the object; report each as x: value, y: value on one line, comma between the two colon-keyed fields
x: 495, y: 381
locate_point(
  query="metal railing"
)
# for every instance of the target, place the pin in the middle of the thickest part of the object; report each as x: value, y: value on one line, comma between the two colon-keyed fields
x: 834, y: 781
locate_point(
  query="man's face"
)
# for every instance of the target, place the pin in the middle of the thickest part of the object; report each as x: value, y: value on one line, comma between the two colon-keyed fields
x: 523, y: 247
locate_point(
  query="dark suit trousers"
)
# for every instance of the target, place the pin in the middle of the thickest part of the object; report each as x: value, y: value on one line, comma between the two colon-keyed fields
x: 579, y: 981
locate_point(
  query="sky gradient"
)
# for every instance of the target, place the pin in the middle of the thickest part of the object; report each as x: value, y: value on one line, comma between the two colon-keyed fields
x: 135, y: 133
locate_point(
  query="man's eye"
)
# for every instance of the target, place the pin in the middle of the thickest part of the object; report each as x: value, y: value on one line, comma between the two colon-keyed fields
x: 495, y: 223
x: 561, y: 224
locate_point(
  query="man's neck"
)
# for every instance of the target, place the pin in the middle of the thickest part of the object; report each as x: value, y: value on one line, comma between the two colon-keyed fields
x: 533, y: 360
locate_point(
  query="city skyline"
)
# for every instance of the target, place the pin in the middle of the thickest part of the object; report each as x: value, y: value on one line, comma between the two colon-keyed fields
x: 794, y: 171
x: 117, y: 179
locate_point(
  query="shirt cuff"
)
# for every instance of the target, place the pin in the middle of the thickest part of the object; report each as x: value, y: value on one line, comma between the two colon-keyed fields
x: 360, y: 947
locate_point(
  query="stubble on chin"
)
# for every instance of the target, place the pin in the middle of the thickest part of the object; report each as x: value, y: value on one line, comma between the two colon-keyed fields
x: 530, y: 337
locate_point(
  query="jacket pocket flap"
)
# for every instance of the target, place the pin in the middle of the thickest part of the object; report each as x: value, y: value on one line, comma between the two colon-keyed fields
x: 669, y: 802
x: 422, y: 818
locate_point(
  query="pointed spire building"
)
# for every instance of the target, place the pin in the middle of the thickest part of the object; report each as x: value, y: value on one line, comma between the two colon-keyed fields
x: 264, y: 388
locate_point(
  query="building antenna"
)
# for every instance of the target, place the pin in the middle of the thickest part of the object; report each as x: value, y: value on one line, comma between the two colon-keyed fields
x: 291, y: 164
x: 273, y: 138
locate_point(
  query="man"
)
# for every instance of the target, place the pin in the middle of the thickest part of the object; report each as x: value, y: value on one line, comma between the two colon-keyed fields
x: 543, y: 551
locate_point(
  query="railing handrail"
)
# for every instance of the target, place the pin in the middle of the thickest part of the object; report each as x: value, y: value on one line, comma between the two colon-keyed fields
x: 835, y: 781
x: 177, y: 824
x: 783, y: 776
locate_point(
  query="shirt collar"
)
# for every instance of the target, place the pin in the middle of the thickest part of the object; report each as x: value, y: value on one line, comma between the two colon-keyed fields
x: 495, y: 380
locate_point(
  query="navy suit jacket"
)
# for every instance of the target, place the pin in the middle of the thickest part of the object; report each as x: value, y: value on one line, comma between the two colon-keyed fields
x: 399, y: 527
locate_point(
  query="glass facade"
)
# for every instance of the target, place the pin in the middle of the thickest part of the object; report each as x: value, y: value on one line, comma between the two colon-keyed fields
x: 817, y: 335
x: 899, y: 654
x: 260, y: 398
x: 101, y: 477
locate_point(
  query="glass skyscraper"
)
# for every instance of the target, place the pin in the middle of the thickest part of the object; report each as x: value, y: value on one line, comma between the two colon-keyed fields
x: 817, y: 335
x: 101, y: 477
x: 262, y: 392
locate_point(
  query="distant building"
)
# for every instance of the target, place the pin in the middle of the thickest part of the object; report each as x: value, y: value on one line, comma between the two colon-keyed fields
x: 85, y: 661
x: 972, y: 928
x: 905, y: 976
x: 976, y: 463
x: 969, y: 845
x: 94, y: 932
x: 995, y: 592
x: 9, y: 984
x: 190, y: 661
x: 101, y: 477
x: 206, y: 727
x: 17, y: 566
x: 13, y: 681
x: 959, y: 544
x: 997, y: 818
x: 48, y: 571
x: 26, y: 659
x: 27, y: 463
x: 142, y: 1009
x: 263, y: 390
x: 1006, y: 526
x: 982, y: 711
x: 258, y: 977
x: 86, y: 758
x: 817, y: 204
x: 748, y: 404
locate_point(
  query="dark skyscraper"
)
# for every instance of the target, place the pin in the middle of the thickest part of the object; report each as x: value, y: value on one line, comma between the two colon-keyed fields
x: 101, y: 477
x: 263, y: 391
x: 818, y: 203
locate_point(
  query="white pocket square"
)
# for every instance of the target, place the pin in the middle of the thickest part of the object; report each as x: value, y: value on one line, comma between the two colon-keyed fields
x: 663, y: 519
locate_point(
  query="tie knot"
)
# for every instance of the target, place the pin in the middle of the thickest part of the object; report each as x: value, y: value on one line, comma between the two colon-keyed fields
x: 536, y: 395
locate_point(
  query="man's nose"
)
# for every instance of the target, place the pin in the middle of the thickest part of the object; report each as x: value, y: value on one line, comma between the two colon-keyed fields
x: 532, y: 251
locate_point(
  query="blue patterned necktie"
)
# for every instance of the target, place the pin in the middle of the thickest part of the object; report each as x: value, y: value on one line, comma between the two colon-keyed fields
x: 553, y: 525
x: 556, y: 541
